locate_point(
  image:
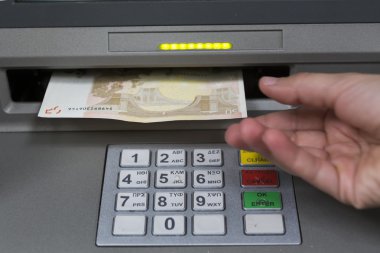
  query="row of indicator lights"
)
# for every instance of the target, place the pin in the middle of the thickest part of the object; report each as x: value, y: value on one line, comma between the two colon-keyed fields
x: 196, y: 46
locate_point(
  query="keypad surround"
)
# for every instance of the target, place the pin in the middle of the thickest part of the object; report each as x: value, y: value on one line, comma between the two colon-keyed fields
x: 221, y: 180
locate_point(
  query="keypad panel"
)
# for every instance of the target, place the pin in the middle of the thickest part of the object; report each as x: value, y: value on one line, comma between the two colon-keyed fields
x: 203, y: 194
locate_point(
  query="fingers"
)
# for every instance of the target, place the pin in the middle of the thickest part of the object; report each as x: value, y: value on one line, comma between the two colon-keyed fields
x: 297, y: 119
x: 353, y: 98
x: 315, y: 90
x: 308, y: 139
x: 234, y: 137
x: 297, y: 140
x: 300, y: 162
x: 248, y: 135
x: 300, y: 153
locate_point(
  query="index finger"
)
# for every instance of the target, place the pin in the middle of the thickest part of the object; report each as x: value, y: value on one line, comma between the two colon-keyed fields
x: 310, y: 89
x: 352, y: 97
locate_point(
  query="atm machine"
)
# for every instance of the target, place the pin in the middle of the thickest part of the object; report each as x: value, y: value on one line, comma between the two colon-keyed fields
x: 88, y: 185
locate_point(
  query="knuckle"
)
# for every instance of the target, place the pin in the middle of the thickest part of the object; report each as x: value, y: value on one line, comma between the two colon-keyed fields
x: 301, y: 77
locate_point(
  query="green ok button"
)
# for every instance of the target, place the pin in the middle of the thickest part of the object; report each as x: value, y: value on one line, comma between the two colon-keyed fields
x: 262, y: 200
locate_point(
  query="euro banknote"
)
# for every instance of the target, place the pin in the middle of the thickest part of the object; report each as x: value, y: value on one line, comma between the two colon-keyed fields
x: 146, y: 96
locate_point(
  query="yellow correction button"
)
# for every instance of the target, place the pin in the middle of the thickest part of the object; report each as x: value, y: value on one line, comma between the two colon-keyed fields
x: 249, y: 158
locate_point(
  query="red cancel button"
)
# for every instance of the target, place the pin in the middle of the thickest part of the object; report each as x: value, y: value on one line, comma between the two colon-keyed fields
x: 267, y: 178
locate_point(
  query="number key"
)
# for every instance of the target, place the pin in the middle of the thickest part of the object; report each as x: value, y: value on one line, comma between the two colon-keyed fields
x: 133, y: 179
x: 135, y: 158
x: 208, y: 179
x: 169, y: 201
x: 171, y: 157
x: 207, y: 157
x: 132, y: 201
x: 169, y: 225
x: 208, y: 201
x: 171, y: 178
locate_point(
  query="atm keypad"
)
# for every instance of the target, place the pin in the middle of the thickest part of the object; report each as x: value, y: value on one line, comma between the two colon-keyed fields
x: 194, y: 194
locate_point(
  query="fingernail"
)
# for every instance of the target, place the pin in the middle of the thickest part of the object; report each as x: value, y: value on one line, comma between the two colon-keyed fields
x: 268, y: 80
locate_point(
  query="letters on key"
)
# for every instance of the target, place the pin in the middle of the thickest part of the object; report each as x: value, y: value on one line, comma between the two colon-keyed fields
x: 207, y: 157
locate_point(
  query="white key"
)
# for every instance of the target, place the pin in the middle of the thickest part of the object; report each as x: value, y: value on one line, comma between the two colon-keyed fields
x: 169, y: 201
x: 169, y: 225
x: 171, y: 157
x: 259, y: 224
x: 129, y: 225
x: 208, y: 179
x: 133, y: 179
x: 135, y: 158
x: 208, y: 201
x: 171, y: 178
x: 209, y: 224
x: 132, y: 201
x: 207, y: 157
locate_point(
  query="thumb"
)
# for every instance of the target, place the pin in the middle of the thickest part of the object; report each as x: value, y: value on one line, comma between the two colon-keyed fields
x: 314, y: 90
x: 351, y: 96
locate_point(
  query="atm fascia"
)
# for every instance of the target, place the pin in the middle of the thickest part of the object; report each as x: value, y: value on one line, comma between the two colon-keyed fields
x: 277, y: 38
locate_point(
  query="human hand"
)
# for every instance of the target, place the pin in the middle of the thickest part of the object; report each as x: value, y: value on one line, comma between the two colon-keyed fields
x: 332, y: 140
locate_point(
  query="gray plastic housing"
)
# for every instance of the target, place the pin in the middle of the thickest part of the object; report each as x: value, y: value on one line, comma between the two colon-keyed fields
x: 103, y: 13
x: 51, y: 181
x: 308, y: 47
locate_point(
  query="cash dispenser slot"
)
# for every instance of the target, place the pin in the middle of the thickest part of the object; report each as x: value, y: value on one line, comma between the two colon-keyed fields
x: 29, y: 85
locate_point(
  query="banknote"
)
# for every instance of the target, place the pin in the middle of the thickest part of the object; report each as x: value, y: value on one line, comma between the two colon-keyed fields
x: 146, y: 96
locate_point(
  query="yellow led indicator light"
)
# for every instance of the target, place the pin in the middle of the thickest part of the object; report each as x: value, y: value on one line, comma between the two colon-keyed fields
x: 191, y: 46
x: 196, y: 46
x: 199, y: 46
x: 182, y: 46
x: 165, y: 46
x: 226, y: 45
x: 218, y: 45
x: 173, y: 46
x: 209, y: 46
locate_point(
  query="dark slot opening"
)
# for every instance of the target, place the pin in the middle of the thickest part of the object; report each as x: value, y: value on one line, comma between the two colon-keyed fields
x: 252, y: 75
x: 29, y: 85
